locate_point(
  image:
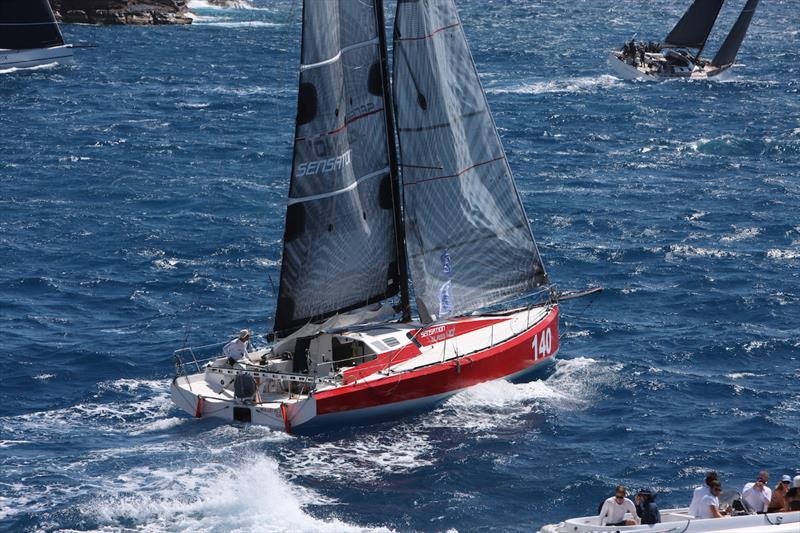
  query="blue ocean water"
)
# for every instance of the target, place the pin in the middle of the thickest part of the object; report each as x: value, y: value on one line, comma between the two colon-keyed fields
x: 141, y: 208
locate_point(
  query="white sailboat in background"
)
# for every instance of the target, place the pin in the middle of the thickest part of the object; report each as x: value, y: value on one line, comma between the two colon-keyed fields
x: 29, y: 35
x: 679, y: 55
x: 356, y: 234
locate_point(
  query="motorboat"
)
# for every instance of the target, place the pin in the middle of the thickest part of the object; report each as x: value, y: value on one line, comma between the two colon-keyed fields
x: 738, y: 518
x: 679, y: 56
x: 392, y: 183
x: 680, y: 521
x: 29, y: 35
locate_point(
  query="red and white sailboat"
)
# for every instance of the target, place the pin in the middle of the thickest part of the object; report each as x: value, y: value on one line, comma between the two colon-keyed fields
x: 392, y: 183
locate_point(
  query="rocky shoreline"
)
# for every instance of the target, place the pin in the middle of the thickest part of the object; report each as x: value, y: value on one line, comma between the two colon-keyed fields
x: 137, y: 12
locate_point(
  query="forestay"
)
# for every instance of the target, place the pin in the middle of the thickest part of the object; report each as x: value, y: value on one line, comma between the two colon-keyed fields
x: 26, y: 24
x: 695, y: 25
x: 469, y: 241
x: 340, y: 247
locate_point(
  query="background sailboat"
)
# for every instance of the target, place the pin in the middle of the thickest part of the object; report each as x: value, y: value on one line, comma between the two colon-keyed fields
x: 679, y: 55
x: 361, y: 223
x: 29, y: 35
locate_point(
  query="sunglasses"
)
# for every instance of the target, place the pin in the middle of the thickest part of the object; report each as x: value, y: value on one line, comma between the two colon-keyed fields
x: 786, y: 482
x: 620, y: 496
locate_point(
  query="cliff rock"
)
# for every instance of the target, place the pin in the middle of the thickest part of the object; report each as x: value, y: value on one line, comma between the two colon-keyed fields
x: 122, y: 11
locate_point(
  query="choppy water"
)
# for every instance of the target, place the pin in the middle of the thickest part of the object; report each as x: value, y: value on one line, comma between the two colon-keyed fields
x: 141, y: 203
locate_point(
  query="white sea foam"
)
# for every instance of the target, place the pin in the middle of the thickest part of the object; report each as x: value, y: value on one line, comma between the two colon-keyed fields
x: 495, y: 404
x: 249, y: 496
x: 365, y: 458
x: 685, y: 250
x: 232, y: 4
x: 565, y: 85
x: 238, y: 24
x: 741, y: 234
x: 775, y: 253
x: 741, y: 375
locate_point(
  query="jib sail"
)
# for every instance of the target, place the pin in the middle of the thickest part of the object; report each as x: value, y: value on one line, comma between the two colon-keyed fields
x: 468, y: 239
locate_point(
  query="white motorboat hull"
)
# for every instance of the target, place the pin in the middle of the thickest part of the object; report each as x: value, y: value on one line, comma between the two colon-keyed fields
x: 679, y: 521
x: 35, y: 56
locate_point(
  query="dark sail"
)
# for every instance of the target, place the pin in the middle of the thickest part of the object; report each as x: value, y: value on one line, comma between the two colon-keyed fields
x: 727, y: 53
x: 468, y: 239
x: 694, y: 26
x: 340, y: 245
x: 26, y: 24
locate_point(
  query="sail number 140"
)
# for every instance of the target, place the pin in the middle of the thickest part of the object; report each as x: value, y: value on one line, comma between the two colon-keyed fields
x: 542, y: 344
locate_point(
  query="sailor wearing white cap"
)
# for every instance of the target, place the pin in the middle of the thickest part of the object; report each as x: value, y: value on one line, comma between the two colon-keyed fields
x: 237, y: 348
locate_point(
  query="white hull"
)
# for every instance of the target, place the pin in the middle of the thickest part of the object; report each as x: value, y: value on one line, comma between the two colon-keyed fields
x: 35, y: 56
x: 679, y: 521
x: 627, y: 71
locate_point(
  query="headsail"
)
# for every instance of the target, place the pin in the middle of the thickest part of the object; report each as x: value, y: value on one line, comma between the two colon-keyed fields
x: 469, y: 241
x: 26, y: 24
x: 340, y: 245
x: 727, y: 53
x: 695, y: 25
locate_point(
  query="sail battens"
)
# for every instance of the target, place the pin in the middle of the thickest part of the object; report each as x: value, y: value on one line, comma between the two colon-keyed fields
x: 28, y: 24
x: 343, y: 126
x: 340, y: 248
x: 423, y: 37
x: 338, y: 56
x: 456, y: 175
x: 382, y: 172
x: 468, y: 240
x: 443, y: 124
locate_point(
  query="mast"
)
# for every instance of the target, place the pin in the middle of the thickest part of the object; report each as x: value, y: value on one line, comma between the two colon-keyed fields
x: 400, y: 232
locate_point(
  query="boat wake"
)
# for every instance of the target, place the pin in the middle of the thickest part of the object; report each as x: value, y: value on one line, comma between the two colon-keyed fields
x: 495, y: 405
x: 586, y: 84
x: 212, y: 496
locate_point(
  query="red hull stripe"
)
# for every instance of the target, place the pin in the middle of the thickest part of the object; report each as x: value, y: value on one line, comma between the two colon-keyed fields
x: 505, y: 359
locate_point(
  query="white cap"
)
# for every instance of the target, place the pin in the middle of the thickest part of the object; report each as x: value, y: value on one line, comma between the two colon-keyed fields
x: 796, y: 482
x: 243, y: 334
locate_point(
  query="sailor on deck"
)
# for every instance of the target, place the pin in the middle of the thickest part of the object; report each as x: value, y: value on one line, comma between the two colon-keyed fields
x: 699, y: 492
x: 237, y: 348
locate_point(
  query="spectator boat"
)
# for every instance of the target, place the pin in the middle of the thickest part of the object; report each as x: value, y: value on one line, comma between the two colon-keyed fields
x: 679, y: 55
x: 345, y: 347
x: 29, y: 35
x: 680, y: 521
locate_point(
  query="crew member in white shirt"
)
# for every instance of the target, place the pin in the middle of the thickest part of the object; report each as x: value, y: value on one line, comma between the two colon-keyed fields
x: 699, y: 492
x: 757, y: 495
x: 709, y: 504
x: 237, y: 348
x: 615, y: 508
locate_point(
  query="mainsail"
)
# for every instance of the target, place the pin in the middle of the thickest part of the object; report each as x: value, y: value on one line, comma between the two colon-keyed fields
x: 727, y: 53
x: 341, y: 247
x: 695, y: 25
x: 468, y: 239
x: 26, y: 24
